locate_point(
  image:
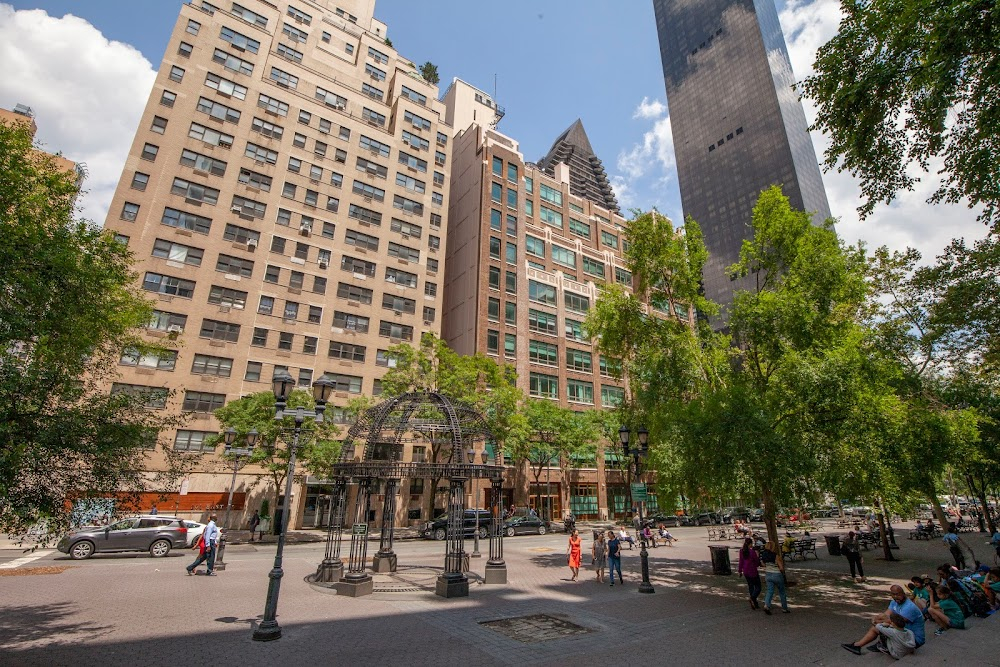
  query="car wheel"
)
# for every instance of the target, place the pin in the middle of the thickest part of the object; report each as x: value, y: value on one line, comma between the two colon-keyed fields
x: 81, y: 550
x: 440, y: 534
x: 541, y: 530
x: 483, y: 533
x: 510, y: 532
x: 159, y: 548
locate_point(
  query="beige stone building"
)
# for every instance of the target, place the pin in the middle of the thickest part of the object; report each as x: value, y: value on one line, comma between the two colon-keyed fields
x: 529, y: 247
x: 24, y: 115
x: 285, y: 197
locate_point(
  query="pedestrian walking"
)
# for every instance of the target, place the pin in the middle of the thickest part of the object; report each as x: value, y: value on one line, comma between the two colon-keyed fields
x: 852, y: 549
x: 774, y: 577
x: 599, y: 556
x: 209, y: 542
x: 573, y: 550
x: 254, y: 522
x: 614, y: 557
x: 153, y: 511
x: 749, y: 565
x: 952, y: 540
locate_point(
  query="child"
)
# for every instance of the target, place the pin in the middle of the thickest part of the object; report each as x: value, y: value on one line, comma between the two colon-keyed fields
x: 919, y: 593
x: 945, y: 612
x: 894, y: 638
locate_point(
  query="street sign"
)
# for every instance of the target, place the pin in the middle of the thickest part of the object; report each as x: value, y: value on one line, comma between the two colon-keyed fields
x: 359, y: 529
x: 639, y: 494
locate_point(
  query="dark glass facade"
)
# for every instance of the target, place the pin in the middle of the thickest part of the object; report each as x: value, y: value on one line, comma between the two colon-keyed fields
x: 738, y: 126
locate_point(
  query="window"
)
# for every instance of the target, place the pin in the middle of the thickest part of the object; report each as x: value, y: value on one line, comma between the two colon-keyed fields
x: 611, y: 396
x: 361, y: 240
x: 576, y: 302
x: 608, y: 239
x: 139, y: 181
x: 574, y: 330
x: 368, y: 191
x: 373, y: 168
x: 403, y: 252
x: 510, y: 282
x: 350, y: 321
x: 349, y: 352
x: 364, y: 215
x: 193, y: 27
x: 315, y: 314
x: 622, y: 276
x: 201, y: 401
x: 149, y: 152
x: 407, y: 205
x: 283, y: 78
x: 200, y: 162
x: 410, y: 183
x: 208, y: 365
x: 494, y: 278
x: 576, y: 209
x: 348, y: 383
x: 395, y: 331
x: 354, y: 293
x: 509, y: 345
x: 272, y: 105
x: 358, y: 266
x: 413, y: 95
x: 259, y: 337
x: 278, y: 245
x: 439, y: 158
x: 563, y: 256
x: 253, y: 371
x: 374, y: 72
x: 267, y: 128
x: 412, y: 162
x: 285, y: 340
x: 435, y: 220
x: 195, y: 441
x: 437, y: 199
x: 232, y: 63
x: 291, y: 311
x: 159, y: 124
x: 294, y: 33
x: 543, y: 386
x: 319, y: 285
x: 579, y: 360
x: 163, y: 284
x: 406, y: 228
x: 372, y: 91
x: 249, y: 16
x: 430, y: 289
x: 163, y: 360
x: 529, y: 207
x: 550, y: 195
x: 593, y: 267
x: 225, y: 296
x: 399, y: 277
x: 542, y: 322
x: 181, y: 220
x: 260, y: 154
x: 210, y: 136
x: 534, y: 246
x: 511, y: 253
x: 432, y: 265
x: 398, y: 304
x: 543, y: 353
x: 493, y: 309
x: 302, y: 250
x: 415, y: 141
x: 215, y: 330
x: 542, y: 293
x: 164, y: 321
x: 510, y: 312
x: 578, y: 391
x: 167, y: 99
x: 610, y: 367
x: 492, y: 341
x: 194, y: 191
x: 234, y: 265
x: 579, y: 228
x: 374, y: 146
x: 494, y: 248
x: 252, y: 179
x: 177, y: 252
x: 373, y: 117
x: 150, y: 397
x: 129, y: 211
x: 550, y: 217
x: 419, y: 122
x: 511, y: 198
x: 309, y: 344
x: 291, y: 54
x: 225, y: 86
x: 248, y: 207
x: 266, y: 305
x: 299, y: 16
x: 176, y: 73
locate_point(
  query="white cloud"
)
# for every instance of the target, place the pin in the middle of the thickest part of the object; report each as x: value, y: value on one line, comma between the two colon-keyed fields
x: 909, y: 220
x: 647, y: 109
x: 87, y: 93
x: 656, y: 147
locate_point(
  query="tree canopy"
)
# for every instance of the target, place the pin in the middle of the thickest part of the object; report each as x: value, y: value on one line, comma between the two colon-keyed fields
x: 429, y: 72
x: 69, y: 307
x: 908, y: 82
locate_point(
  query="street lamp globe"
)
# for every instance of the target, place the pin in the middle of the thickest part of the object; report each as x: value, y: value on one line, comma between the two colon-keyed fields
x: 322, y: 388
x: 251, y: 438
x: 282, y: 383
x: 623, y: 435
x: 229, y: 436
x: 643, y: 439
x: 471, y: 455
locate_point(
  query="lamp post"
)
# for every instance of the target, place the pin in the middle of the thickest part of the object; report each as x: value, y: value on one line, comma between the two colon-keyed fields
x: 471, y: 456
x: 238, y: 456
x: 638, y: 452
x: 282, y: 384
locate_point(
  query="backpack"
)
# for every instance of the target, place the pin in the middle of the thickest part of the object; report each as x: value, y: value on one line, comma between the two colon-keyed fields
x: 979, y: 604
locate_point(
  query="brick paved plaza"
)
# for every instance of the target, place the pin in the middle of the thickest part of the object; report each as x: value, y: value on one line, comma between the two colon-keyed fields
x: 134, y: 610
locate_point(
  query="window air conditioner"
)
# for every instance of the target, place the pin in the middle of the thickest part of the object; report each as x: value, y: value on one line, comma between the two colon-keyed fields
x: 323, y: 264
x: 236, y: 209
x: 251, y: 244
x: 175, y: 329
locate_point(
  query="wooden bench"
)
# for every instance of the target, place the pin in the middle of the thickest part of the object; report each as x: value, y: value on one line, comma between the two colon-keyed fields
x: 801, y: 548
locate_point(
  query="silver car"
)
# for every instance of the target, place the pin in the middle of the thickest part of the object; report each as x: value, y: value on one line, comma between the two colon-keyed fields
x: 155, y: 534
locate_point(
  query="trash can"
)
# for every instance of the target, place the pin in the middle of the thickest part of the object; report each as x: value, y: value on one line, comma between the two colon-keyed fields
x: 833, y: 545
x: 720, y: 559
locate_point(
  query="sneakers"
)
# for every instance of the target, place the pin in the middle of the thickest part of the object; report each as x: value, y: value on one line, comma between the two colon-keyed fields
x: 875, y: 648
x: 786, y: 611
x: 939, y: 632
x: 856, y: 650
x: 190, y: 573
x: 767, y: 610
x: 612, y: 584
x: 210, y: 574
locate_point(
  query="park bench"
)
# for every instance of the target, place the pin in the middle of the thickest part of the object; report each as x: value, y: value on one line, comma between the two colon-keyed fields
x: 799, y: 549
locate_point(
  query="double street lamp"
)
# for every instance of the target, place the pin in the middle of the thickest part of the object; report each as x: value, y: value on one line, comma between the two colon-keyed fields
x: 282, y: 384
x: 471, y: 456
x: 238, y: 457
x: 638, y: 451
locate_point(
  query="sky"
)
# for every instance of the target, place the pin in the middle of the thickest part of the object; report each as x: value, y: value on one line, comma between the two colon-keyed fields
x: 86, y: 68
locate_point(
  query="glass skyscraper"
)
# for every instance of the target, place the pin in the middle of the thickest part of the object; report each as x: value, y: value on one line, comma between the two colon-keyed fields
x: 738, y: 126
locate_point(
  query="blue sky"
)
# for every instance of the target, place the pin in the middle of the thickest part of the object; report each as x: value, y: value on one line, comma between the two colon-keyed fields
x: 552, y: 61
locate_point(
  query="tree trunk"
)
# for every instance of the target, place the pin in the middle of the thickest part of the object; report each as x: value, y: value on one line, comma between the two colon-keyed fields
x: 939, y: 512
x: 772, y: 526
x: 980, y: 494
x: 886, y: 549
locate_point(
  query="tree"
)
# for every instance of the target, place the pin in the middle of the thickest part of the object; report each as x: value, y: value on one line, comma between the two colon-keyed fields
x: 429, y: 72
x: 905, y: 82
x: 69, y: 306
x: 318, y: 444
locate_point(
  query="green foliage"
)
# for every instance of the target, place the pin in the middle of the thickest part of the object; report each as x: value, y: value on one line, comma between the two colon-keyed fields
x: 69, y: 305
x: 429, y: 72
x: 319, y: 447
x: 908, y: 81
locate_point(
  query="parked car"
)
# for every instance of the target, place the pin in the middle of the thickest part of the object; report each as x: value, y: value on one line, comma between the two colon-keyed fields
x: 438, y: 528
x: 521, y: 525
x: 155, y: 534
x: 730, y: 514
x: 757, y: 515
x: 666, y: 519
x: 195, y: 530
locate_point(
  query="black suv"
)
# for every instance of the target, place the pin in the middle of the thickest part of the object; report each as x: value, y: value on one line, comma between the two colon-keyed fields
x: 438, y: 528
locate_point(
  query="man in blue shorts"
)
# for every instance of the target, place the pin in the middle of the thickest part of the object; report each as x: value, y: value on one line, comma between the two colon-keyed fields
x: 901, y: 605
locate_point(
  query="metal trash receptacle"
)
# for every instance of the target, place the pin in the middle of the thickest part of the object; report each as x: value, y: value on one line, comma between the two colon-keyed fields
x: 833, y: 545
x: 720, y: 559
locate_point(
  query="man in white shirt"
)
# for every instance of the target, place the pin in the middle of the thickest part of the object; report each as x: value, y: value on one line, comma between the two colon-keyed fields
x: 211, y: 538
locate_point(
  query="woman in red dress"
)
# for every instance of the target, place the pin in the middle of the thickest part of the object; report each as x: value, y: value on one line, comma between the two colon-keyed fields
x: 574, y: 554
